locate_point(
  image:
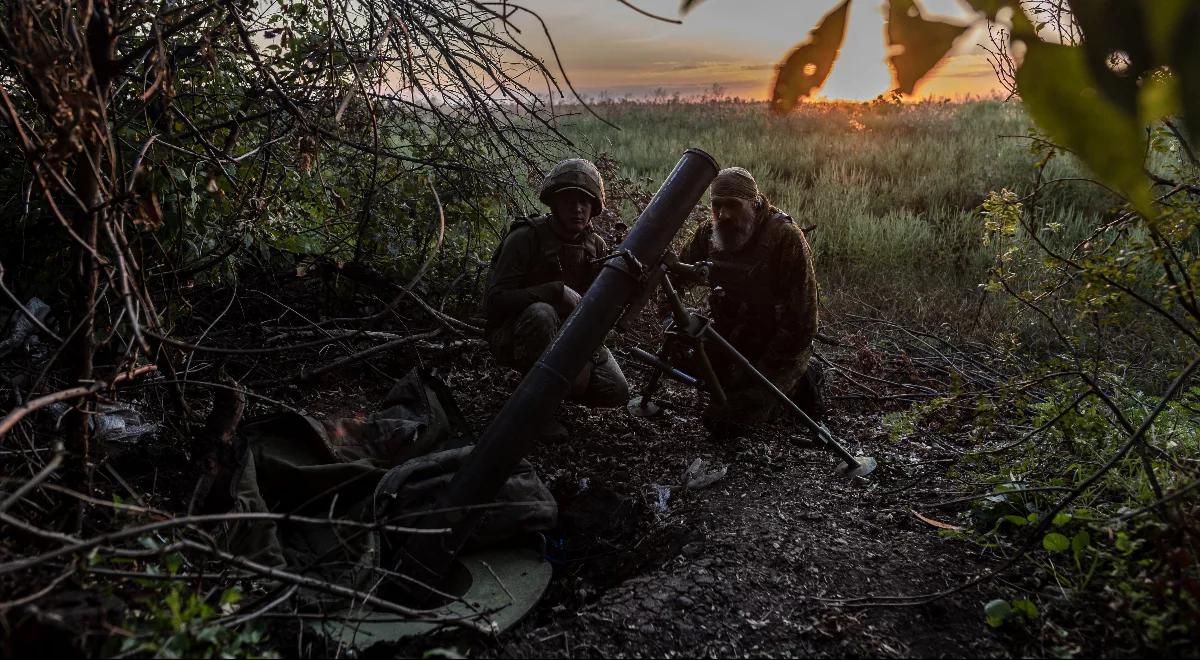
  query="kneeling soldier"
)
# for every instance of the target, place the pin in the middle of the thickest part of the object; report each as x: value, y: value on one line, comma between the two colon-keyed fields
x: 766, y: 305
x: 540, y: 270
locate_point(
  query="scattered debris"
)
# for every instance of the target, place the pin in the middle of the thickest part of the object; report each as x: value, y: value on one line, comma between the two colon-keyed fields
x: 696, y: 477
x: 121, y: 422
x: 936, y: 523
x: 22, y: 328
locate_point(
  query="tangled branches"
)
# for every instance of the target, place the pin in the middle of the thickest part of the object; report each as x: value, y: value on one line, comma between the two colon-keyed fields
x: 155, y: 147
x: 164, y: 139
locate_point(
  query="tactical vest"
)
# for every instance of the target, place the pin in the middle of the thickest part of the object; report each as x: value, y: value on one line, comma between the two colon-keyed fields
x: 572, y: 263
x: 746, y: 304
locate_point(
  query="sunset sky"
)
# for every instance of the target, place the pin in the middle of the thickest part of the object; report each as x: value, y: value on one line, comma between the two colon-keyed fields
x: 607, y: 47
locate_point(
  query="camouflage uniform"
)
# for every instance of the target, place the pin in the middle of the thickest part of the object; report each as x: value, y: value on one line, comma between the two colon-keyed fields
x: 524, y: 296
x: 767, y: 308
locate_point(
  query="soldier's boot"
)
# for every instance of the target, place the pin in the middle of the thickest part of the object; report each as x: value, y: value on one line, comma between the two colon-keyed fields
x: 809, y: 392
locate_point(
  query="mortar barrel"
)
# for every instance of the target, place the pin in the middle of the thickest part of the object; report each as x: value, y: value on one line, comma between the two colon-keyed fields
x: 513, y: 432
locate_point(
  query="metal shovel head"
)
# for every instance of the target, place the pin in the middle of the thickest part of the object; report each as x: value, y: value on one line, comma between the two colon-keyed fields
x: 863, y: 465
x: 639, y: 408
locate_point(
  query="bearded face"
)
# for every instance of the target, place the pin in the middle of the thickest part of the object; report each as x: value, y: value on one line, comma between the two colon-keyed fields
x: 733, y: 222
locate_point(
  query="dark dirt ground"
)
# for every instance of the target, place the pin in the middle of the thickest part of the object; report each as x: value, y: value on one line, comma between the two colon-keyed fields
x: 750, y: 566
x: 753, y: 565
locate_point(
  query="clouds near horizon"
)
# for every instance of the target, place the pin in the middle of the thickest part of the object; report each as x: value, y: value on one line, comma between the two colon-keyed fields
x: 606, y: 47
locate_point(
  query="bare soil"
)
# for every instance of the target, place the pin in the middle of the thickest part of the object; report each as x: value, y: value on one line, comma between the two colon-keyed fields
x: 754, y: 565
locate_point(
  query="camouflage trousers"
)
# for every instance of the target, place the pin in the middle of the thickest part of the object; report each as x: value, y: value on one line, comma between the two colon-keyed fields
x: 520, y: 342
x: 749, y: 403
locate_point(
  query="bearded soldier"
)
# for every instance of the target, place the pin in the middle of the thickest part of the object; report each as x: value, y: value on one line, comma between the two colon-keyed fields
x: 539, y: 271
x: 764, y: 301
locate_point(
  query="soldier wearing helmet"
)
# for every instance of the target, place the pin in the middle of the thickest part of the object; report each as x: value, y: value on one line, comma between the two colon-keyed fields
x: 766, y: 303
x: 540, y: 270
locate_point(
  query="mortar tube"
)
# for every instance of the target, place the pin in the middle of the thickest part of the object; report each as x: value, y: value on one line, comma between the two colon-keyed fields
x: 513, y: 432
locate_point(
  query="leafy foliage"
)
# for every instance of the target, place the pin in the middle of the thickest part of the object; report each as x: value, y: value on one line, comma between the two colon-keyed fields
x: 916, y: 43
x: 178, y: 622
x: 809, y: 64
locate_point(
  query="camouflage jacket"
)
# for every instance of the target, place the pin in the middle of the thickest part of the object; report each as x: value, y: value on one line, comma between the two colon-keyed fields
x: 767, y: 306
x: 532, y: 263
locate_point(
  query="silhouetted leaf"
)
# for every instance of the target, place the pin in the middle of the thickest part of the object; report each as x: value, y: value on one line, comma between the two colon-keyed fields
x: 809, y: 64
x: 1184, y: 57
x: 1021, y: 25
x: 1115, y: 48
x: 687, y: 6
x: 916, y: 44
x: 991, y: 7
x: 1056, y: 85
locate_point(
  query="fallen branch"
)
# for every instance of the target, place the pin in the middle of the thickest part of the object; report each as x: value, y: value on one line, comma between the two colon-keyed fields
x: 351, y: 359
x: 1025, y: 438
x: 330, y: 588
x: 38, y: 478
x: 25, y: 600
x: 81, y: 545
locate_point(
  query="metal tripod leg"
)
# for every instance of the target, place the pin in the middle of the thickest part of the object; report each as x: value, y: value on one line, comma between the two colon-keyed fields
x: 643, y: 405
x: 854, y: 466
x: 691, y: 328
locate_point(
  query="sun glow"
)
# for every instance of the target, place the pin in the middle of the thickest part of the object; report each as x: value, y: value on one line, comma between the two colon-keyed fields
x: 723, y: 49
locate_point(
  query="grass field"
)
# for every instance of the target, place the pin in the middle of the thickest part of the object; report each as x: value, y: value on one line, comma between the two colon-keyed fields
x: 893, y: 190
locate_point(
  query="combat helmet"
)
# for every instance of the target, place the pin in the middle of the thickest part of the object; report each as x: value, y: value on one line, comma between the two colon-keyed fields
x: 574, y: 173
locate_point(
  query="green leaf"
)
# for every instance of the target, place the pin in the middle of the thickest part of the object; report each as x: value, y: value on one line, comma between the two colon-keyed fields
x: 1158, y: 97
x: 1055, y: 542
x: 1080, y: 542
x: 996, y: 612
x: 1019, y: 521
x: 230, y: 596
x: 1123, y: 542
x: 916, y: 44
x: 1062, y: 99
x: 1025, y: 608
x: 809, y: 63
x: 1061, y: 519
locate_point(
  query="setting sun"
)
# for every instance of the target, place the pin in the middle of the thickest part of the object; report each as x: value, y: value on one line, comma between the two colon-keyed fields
x: 606, y: 48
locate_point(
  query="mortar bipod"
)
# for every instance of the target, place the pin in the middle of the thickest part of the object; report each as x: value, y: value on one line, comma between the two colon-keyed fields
x: 853, y: 466
x: 687, y: 329
x: 643, y: 404
x: 699, y: 328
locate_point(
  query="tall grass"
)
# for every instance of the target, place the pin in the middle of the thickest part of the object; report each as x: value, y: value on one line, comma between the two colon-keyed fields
x: 892, y: 190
